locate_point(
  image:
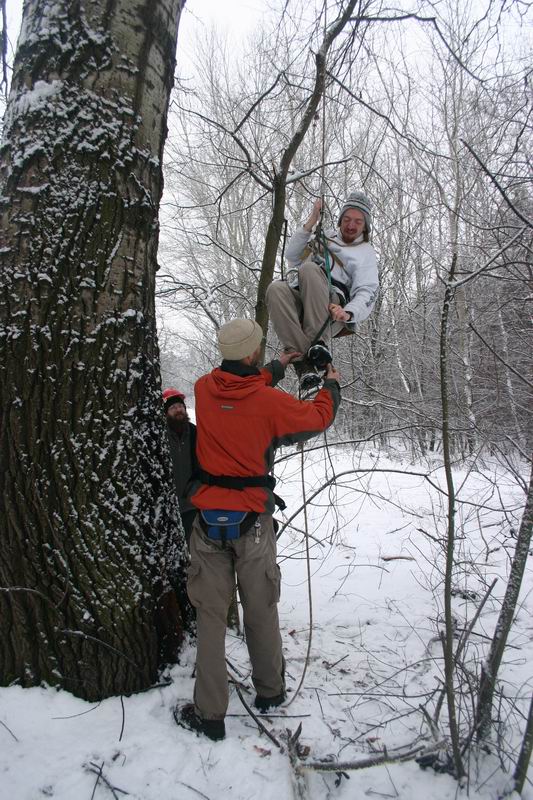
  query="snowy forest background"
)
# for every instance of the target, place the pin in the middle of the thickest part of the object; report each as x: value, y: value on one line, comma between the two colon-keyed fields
x: 424, y: 480
x: 409, y: 117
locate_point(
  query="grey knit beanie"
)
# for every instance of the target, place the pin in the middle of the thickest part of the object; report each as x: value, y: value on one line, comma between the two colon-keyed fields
x: 239, y: 338
x: 360, y: 201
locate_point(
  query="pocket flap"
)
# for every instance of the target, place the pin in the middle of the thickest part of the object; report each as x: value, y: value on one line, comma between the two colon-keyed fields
x: 223, y: 518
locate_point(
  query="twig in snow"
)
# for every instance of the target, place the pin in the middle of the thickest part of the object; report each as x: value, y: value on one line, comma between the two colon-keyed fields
x: 387, y: 679
x: 97, y: 770
x: 330, y: 666
x: 273, y: 716
x: 258, y: 721
x: 319, y: 703
x: 299, y: 785
x: 198, y: 792
x: 98, y: 773
x: 386, y: 758
x: 430, y: 722
x: 398, y: 558
x: 235, y: 669
x: 71, y: 716
x: 123, y: 718
x: 9, y: 730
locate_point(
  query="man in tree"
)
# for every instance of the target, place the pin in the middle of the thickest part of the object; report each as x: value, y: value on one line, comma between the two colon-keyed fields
x: 241, y: 418
x: 182, y: 444
x: 333, y: 288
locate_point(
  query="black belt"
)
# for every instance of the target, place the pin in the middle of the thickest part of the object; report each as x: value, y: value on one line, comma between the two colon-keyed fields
x: 240, y: 483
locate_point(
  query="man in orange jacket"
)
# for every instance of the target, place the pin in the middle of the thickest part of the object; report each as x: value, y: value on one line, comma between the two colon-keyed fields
x: 241, y: 419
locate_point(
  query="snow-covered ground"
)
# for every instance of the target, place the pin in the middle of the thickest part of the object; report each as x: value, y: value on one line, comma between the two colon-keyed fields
x: 375, y: 660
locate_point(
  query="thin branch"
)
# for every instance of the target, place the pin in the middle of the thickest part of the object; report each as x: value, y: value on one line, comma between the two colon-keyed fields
x: 433, y: 22
x: 9, y: 731
x: 82, y: 635
x: 375, y: 761
x: 123, y: 718
x: 4, y: 82
x: 485, y: 266
x: 257, y: 721
x: 237, y: 141
x: 305, y: 173
x: 258, y: 101
x: 197, y: 791
x: 501, y: 190
x: 96, y: 769
x: 387, y: 119
x: 299, y: 786
x: 508, y: 366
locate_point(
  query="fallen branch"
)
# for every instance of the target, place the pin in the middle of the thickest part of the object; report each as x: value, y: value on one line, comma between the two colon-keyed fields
x: 298, y: 777
x: 375, y: 761
x: 197, y: 791
x: 9, y: 730
x: 258, y: 722
x: 96, y: 769
x: 398, y: 558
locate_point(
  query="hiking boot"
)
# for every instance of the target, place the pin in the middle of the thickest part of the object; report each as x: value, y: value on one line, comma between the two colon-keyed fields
x: 309, y: 382
x: 186, y: 717
x: 319, y: 355
x: 302, y: 367
x: 264, y: 703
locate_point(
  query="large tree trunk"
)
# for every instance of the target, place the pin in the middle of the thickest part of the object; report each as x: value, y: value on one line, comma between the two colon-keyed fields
x: 90, y: 528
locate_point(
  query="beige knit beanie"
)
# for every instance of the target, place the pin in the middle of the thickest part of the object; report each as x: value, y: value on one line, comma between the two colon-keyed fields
x: 239, y: 338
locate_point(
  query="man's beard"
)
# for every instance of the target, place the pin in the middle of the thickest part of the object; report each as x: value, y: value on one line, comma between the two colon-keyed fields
x: 177, y: 425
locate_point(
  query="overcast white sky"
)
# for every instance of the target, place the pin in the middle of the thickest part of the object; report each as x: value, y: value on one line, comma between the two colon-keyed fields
x: 229, y: 16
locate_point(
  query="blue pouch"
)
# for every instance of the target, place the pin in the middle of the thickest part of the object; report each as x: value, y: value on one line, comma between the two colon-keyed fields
x: 223, y: 525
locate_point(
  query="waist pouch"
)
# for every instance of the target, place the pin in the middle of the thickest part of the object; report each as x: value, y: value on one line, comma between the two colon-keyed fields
x: 224, y: 525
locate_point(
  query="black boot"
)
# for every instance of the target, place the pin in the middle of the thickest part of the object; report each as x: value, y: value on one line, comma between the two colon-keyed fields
x: 309, y: 382
x: 186, y: 717
x: 264, y: 703
x: 319, y: 355
x: 302, y: 367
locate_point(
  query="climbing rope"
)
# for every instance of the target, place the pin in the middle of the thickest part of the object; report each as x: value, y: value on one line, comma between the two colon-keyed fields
x: 321, y: 248
x: 284, y: 242
x: 309, y: 592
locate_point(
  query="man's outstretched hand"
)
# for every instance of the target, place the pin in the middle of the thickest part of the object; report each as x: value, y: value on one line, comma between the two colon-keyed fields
x: 332, y: 374
x: 288, y: 358
x: 315, y: 216
x: 338, y: 314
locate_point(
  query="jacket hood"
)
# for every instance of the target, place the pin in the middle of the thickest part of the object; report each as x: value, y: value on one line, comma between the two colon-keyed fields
x: 226, y: 385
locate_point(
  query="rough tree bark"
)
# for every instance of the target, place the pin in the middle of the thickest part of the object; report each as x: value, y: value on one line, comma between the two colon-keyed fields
x: 90, y: 527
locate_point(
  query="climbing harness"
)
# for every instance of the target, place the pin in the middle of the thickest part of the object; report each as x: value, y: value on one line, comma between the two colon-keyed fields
x: 240, y: 483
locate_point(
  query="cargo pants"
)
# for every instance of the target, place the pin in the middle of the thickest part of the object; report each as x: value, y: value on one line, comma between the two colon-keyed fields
x: 298, y: 314
x: 210, y: 585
